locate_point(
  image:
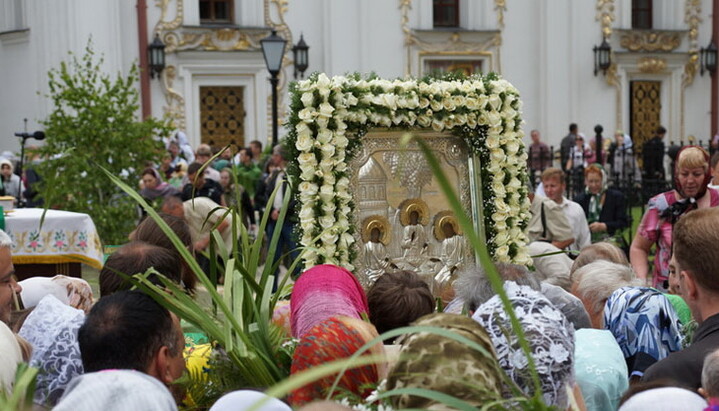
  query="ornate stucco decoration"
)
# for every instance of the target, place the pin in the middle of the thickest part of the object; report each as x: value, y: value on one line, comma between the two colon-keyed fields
x: 179, y: 38
x: 650, y: 41
x: 651, y: 64
x: 605, y: 16
x: 692, y: 17
x: 461, y: 41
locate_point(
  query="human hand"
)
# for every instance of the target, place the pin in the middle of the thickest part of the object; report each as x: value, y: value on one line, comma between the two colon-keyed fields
x: 597, y: 227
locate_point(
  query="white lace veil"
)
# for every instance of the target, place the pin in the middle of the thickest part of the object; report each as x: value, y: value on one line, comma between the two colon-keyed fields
x: 51, y: 329
x: 550, y: 336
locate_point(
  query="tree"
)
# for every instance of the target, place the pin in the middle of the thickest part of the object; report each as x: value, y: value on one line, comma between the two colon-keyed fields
x: 95, y: 123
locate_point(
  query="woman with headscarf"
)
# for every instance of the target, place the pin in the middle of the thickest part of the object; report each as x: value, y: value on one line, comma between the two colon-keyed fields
x: 605, y: 208
x: 435, y: 362
x: 322, y: 292
x: 549, y: 334
x: 333, y: 339
x: 645, y: 325
x: 11, y: 182
x: 74, y: 292
x: 692, y: 174
x: 51, y: 329
x: 243, y: 400
x: 154, y: 187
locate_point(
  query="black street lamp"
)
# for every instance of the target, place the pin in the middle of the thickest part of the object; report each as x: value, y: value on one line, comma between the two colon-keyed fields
x: 709, y: 58
x: 300, y: 55
x: 156, y: 56
x: 602, y: 57
x: 273, y: 49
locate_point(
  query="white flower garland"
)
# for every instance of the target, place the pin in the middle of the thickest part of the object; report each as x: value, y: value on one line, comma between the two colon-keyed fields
x: 485, y: 111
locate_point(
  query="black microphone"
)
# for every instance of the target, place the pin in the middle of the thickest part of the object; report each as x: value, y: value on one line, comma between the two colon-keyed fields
x: 38, y: 135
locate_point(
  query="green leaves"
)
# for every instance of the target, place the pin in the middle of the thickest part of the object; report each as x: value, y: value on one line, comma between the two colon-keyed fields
x: 94, y: 123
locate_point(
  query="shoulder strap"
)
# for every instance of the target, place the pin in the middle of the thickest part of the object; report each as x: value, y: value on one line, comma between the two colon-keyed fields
x: 544, y: 223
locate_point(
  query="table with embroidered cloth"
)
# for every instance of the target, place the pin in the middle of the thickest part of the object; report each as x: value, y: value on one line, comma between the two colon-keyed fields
x: 58, y: 246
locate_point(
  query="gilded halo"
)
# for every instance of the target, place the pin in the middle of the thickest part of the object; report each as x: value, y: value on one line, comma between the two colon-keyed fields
x: 440, y: 220
x: 413, y: 204
x: 379, y: 222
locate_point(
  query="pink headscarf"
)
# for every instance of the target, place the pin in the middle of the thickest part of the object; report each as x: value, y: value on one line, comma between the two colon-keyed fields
x: 322, y: 292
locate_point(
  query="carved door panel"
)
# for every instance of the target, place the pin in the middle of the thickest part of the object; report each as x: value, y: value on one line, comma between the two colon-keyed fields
x: 222, y: 116
x: 645, y: 106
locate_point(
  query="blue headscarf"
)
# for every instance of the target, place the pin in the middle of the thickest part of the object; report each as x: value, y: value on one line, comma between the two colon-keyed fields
x: 645, y: 325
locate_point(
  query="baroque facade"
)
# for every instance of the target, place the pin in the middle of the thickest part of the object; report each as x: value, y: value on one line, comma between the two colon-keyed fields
x: 215, y: 84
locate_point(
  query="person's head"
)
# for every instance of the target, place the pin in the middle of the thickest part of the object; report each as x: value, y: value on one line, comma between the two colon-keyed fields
x: 448, y: 230
x: 668, y: 396
x: 594, y: 178
x: 661, y: 131
x: 137, y: 257
x: 474, y: 288
x: 246, y: 155
x: 172, y: 205
x: 436, y: 362
x: 279, y: 155
x: 6, y: 167
x: 196, y: 177
x: 374, y: 235
x: 710, y: 375
x: 600, y: 251
x: 579, y: 140
x: 553, y: 180
x: 256, y: 148
x: 535, y: 136
x: 226, y: 154
x: 546, y: 330
x: 692, y: 172
x: 595, y: 282
x: 573, y: 128
x: 174, y: 148
x: 619, y: 137
x: 130, y: 330
x: 9, y: 288
x: 694, y: 257
x: 225, y: 178
x: 150, y: 178
x: 398, y: 298
x: 333, y: 339
x: 203, y: 154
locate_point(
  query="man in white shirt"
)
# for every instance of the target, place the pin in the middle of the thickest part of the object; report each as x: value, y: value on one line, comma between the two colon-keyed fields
x: 554, y: 185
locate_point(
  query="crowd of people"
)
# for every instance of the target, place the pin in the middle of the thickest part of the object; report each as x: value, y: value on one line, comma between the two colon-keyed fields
x: 600, y: 330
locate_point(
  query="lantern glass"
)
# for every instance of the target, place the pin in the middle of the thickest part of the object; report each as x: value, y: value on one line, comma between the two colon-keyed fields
x: 273, y: 49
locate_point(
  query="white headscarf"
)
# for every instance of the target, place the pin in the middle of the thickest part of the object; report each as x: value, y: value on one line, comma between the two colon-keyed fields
x: 116, y: 390
x: 665, y: 399
x: 244, y: 400
x: 52, y: 329
x: 10, y: 357
x: 74, y: 292
x: 550, y: 336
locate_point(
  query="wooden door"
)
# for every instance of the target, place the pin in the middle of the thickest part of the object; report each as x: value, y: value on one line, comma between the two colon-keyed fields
x: 222, y: 116
x: 645, y: 109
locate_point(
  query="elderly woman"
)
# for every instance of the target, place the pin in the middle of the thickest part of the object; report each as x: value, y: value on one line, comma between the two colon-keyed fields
x: 153, y: 187
x: 690, y: 192
x: 605, y: 208
x: 642, y: 320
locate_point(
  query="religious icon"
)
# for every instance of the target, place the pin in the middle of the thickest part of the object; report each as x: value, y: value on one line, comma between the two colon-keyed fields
x: 414, y: 215
x: 446, y: 230
x: 376, y: 234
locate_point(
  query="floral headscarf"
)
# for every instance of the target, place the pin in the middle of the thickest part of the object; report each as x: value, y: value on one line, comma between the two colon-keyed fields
x: 330, y: 340
x: 438, y: 363
x: 324, y: 291
x: 645, y: 325
x: 51, y: 329
x: 550, y: 336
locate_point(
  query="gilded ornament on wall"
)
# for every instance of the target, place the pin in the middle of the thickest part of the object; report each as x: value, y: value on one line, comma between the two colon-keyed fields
x: 652, y: 41
x: 651, y: 64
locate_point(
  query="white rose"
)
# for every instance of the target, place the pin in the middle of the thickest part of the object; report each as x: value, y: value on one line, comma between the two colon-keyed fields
x: 344, y: 195
x: 308, y: 188
x: 329, y: 238
x: 304, y: 143
x: 492, y: 142
x: 448, y: 104
x: 497, y: 217
x: 307, y: 174
x: 326, y: 221
x: 341, y: 167
x: 472, y: 104
x: 512, y: 147
x: 329, y: 250
x: 472, y: 120
x: 307, y: 213
x: 324, y: 136
x: 498, y: 188
x: 435, y: 105
x: 326, y: 110
x: 497, y: 155
x: 423, y: 102
x: 343, y: 184
x: 327, y: 193
x: 501, y: 238
x: 347, y: 239
x: 437, y: 125
x: 329, y: 178
x: 502, y: 253
x: 495, y: 102
x: 307, y: 99
x: 323, y: 81
x: 483, y: 101
x: 424, y: 121
x: 390, y: 101
x: 494, y: 119
x: 303, y: 130
x: 307, y: 159
x: 307, y: 114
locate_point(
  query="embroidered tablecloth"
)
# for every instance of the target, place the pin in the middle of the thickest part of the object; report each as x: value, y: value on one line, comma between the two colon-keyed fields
x: 63, y: 238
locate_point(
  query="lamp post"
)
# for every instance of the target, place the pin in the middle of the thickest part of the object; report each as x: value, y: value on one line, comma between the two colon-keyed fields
x: 273, y: 49
x: 156, y: 56
x: 300, y: 56
x: 602, y: 57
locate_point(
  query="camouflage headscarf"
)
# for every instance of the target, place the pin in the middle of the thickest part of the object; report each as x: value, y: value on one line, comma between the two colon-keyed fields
x: 438, y: 363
